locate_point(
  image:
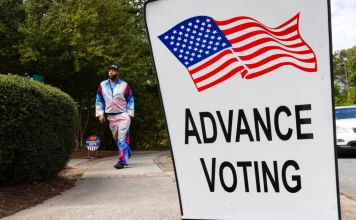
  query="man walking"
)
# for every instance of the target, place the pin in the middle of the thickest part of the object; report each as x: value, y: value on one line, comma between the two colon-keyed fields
x: 115, y: 98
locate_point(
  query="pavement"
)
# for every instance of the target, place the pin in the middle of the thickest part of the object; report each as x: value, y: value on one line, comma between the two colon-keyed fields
x: 141, y: 191
x: 144, y: 190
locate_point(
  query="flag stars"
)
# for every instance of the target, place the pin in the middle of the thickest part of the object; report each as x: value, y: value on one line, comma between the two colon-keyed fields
x: 187, y: 52
x: 215, y: 32
x: 212, y: 37
x: 185, y: 57
x: 191, y: 42
x: 190, y: 24
x: 209, y: 25
x: 180, y: 33
x: 224, y: 44
x: 217, y: 44
x: 193, y: 54
x: 198, y: 21
x: 184, y: 46
x: 172, y: 42
x: 177, y: 44
x: 172, y: 38
x: 209, y: 47
x: 219, y: 38
x: 194, y: 32
x: 185, y: 40
x: 175, y: 49
x: 208, y: 20
x: 206, y: 36
x: 186, y: 63
x: 179, y: 39
x: 181, y: 51
x: 192, y: 37
x: 200, y: 34
x: 208, y: 30
x: 206, y: 52
x: 210, y: 42
x: 191, y: 59
x: 195, y: 49
x: 197, y: 44
x: 188, y: 29
x: 202, y: 29
x: 180, y: 56
x: 166, y: 37
x: 198, y: 39
x: 203, y: 46
x: 190, y: 47
x: 203, y: 24
x: 174, y: 32
x: 201, y: 51
x: 215, y: 49
x: 199, y: 55
x: 204, y: 41
x: 182, y: 27
x: 186, y: 35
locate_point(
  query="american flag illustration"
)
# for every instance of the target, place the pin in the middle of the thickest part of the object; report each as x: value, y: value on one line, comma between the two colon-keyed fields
x: 214, y: 51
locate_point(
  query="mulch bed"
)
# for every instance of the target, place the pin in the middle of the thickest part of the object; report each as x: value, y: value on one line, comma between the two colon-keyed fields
x: 14, y: 198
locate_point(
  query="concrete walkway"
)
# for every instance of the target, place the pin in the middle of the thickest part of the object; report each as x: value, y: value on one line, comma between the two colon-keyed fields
x: 141, y: 191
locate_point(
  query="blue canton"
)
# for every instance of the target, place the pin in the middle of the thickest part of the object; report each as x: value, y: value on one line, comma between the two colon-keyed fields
x: 194, y: 40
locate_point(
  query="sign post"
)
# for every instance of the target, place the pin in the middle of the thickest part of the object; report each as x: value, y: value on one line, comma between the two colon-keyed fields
x: 92, y: 144
x: 247, y: 93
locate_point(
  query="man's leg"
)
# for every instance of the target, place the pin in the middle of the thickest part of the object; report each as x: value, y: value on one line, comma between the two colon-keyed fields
x: 123, y: 139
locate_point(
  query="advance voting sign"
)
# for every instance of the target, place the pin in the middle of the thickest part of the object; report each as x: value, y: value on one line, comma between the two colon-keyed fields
x: 247, y: 94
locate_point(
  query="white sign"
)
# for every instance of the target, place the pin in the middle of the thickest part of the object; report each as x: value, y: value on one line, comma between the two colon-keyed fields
x: 247, y: 94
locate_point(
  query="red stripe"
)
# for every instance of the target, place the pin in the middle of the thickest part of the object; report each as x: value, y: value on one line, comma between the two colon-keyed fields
x: 276, y: 56
x: 262, y: 41
x: 211, y: 61
x: 222, y: 79
x: 269, y: 48
x: 262, y: 72
x: 232, y: 20
x: 255, y: 33
x: 250, y: 25
x: 217, y: 70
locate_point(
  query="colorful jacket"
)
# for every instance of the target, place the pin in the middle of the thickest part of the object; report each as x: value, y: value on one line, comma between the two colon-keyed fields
x: 118, y: 100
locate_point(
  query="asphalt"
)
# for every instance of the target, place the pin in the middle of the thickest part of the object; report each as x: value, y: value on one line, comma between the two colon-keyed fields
x: 141, y: 191
x: 347, y: 176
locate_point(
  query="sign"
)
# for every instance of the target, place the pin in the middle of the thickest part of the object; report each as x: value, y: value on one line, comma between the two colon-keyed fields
x: 93, y: 143
x: 247, y: 93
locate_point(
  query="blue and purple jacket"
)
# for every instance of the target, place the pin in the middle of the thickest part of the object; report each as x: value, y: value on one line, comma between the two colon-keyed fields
x: 113, y: 101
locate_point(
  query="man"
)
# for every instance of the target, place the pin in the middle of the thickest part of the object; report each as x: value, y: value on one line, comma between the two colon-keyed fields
x: 114, y: 97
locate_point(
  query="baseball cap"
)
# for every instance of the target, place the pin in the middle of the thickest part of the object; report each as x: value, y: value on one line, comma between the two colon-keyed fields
x: 115, y: 67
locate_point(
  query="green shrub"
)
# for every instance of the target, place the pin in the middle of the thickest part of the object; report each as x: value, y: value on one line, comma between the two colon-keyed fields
x: 37, y: 129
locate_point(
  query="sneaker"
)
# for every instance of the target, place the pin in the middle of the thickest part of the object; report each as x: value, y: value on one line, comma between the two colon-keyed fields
x: 119, y: 166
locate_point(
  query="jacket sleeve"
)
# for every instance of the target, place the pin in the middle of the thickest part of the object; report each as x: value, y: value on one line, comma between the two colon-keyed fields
x: 99, y: 103
x: 130, y: 103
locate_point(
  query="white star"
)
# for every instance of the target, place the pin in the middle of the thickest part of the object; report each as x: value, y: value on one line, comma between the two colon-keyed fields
x: 190, y: 24
x: 191, y: 59
x: 185, y: 57
x: 194, y: 32
x: 198, y: 39
x: 202, y: 29
x: 215, y: 48
x: 175, y: 49
x: 206, y: 36
x: 190, y: 47
x: 195, y: 26
x: 200, y: 51
x: 166, y: 37
x: 197, y: 21
x: 193, y: 54
x: 180, y: 56
x: 206, y: 52
x: 208, y: 31
x: 204, y: 41
x: 191, y: 42
x: 214, y: 32
x: 186, y: 40
x: 187, y: 52
x: 177, y: 44
x: 188, y: 29
x: 200, y: 34
x: 195, y: 49
x: 179, y: 38
x: 211, y: 42
x: 219, y: 38
x: 199, y: 56
x: 172, y: 42
x: 183, y: 46
x: 180, y: 33
x: 186, y: 63
x: 192, y: 37
x: 203, y: 45
x: 197, y: 44
x: 182, y: 27
x: 209, y: 47
x: 209, y: 25
x: 186, y: 35
x: 172, y: 38
x: 174, y: 32
x: 217, y: 43
x: 203, y: 23
x: 181, y: 51
x: 212, y: 37
x: 208, y: 20
x: 224, y: 44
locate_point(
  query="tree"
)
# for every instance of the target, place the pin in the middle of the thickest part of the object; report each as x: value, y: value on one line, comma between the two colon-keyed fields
x: 71, y: 42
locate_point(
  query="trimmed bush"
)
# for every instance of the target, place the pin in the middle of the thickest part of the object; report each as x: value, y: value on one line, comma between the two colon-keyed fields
x: 37, y: 129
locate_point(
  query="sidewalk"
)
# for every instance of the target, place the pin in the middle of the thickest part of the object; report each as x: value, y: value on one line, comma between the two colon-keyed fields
x: 141, y: 191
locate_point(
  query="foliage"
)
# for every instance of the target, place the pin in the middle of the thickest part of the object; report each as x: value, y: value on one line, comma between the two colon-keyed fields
x: 71, y: 42
x: 37, y: 126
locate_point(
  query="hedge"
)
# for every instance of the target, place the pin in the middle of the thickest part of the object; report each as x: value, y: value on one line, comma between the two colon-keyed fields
x: 37, y: 129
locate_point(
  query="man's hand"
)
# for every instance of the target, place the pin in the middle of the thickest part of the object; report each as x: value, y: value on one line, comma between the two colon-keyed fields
x: 102, y: 119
